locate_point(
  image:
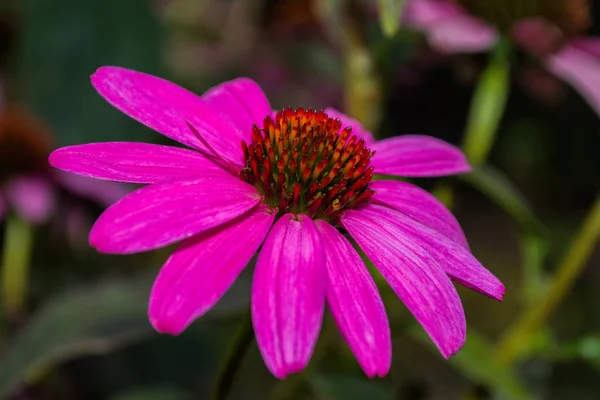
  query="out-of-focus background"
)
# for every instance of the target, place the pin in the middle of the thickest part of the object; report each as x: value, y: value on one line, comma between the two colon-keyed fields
x: 73, y: 322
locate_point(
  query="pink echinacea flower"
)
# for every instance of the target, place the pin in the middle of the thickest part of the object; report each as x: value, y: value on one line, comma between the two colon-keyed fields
x: 290, y: 183
x: 550, y: 30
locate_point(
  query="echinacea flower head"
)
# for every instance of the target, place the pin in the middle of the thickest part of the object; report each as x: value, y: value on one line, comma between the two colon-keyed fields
x: 551, y: 30
x: 292, y: 185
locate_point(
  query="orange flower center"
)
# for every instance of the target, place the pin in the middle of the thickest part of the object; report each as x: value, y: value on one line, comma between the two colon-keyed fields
x: 303, y: 162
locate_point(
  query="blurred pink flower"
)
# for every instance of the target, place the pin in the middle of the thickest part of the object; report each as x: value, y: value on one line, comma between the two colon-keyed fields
x: 573, y: 58
x: 27, y: 186
x: 294, y: 186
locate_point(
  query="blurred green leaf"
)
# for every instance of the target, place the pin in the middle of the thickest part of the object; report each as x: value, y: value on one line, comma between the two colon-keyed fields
x: 535, y: 250
x: 338, y: 387
x: 152, y: 393
x: 487, y: 106
x: 389, y: 15
x: 496, y: 186
x: 62, y: 45
x: 477, y: 361
x: 587, y: 349
x: 83, y: 322
x: 92, y: 321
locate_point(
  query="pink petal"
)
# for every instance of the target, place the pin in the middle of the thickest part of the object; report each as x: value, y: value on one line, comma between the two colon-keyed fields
x: 165, y: 213
x: 165, y: 107
x: 288, y: 294
x: 589, y: 44
x: 537, y: 35
x: 356, y: 126
x: 32, y: 197
x: 102, y: 192
x: 240, y: 100
x: 134, y: 162
x: 426, y: 13
x: 413, y: 274
x: 449, y: 28
x: 454, y: 259
x: 420, y: 205
x: 418, y: 156
x: 581, y: 69
x: 356, y: 304
x: 203, y: 268
x: 462, y: 35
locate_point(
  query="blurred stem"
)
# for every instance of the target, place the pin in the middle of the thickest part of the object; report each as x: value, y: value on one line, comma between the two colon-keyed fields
x: 568, y: 270
x: 534, y: 250
x: 345, y: 22
x: 486, y: 111
x: 390, y: 13
x: 242, y: 340
x: 487, y: 106
x: 16, y: 253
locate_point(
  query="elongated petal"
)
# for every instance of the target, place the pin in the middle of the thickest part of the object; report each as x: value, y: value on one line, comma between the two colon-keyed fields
x: 203, y: 268
x: 162, y: 214
x: 413, y: 274
x: 454, y: 259
x: 462, y: 34
x: 357, y: 128
x: 32, y: 197
x: 356, y: 304
x: 165, y: 107
x: 288, y: 294
x: 581, y: 69
x: 134, y: 162
x: 426, y: 13
x: 420, y: 205
x: 240, y: 100
x: 449, y: 28
x: 589, y: 44
x: 418, y: 156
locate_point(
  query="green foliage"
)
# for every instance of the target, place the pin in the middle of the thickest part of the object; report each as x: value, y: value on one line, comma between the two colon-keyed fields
x: 478, y: 361
x: 152, y: 393
x: 340, y: 387
x: 487, y: 106
x: 90, y: 321
x: 587, y: 349
x: 61, y: 45
x: 498, y: 188
x: 389, y: 15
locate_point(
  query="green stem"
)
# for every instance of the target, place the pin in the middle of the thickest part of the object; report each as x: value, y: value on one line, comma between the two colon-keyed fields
x: 485, y: 112
x: 568, y: 270
x: 242, y: 340
x: 488, y: 105
x: 16, y: 253
x: 390, y: 12
x: 346, y: 25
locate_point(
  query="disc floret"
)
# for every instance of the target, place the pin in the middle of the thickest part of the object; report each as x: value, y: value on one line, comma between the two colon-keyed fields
x: 304, y: 162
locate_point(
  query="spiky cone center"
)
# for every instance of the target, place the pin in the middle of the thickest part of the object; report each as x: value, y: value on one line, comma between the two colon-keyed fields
x: 303, y: 162
x: 572, y: 17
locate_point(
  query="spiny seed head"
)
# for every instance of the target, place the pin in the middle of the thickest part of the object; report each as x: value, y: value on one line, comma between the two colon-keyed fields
x: 570, y: 16
x: 304, y: 162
